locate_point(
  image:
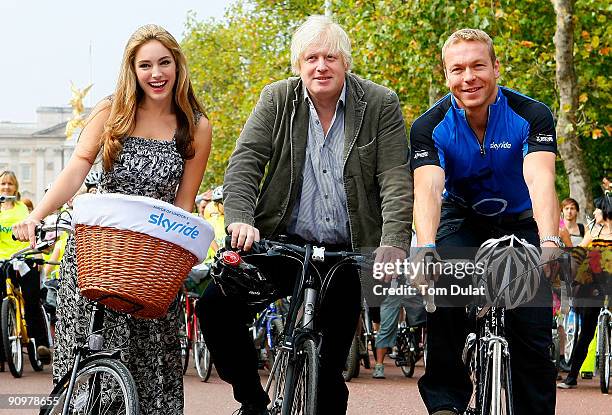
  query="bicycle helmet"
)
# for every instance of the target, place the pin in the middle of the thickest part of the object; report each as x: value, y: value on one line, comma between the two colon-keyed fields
x: 93, y: 178
x: 237, y: 278
x: 217, y: 194
x: 509, y: 271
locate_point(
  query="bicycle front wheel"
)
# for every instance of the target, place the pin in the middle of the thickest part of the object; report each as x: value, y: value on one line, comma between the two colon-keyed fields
x: 604, y: 349
x: 11, y: 339
x: 300, y: 395
x: 102, y: 386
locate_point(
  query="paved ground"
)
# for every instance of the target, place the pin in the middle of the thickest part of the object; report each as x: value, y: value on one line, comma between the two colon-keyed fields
x: 393, y: 395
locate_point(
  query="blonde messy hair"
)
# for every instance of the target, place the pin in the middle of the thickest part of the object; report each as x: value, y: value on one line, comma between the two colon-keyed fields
x: 320, y: 30
x: 128, y: 93
x: 469, y: 35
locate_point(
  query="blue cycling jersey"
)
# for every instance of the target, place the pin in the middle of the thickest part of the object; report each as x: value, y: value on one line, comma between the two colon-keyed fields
x: 487, y: 177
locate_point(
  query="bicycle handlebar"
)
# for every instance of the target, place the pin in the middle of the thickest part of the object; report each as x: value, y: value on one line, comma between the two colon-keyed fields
x: 318, y: 253
x: 42, y: 242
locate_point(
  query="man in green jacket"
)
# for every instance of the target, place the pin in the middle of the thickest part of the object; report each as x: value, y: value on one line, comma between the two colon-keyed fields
x: 331, y: 150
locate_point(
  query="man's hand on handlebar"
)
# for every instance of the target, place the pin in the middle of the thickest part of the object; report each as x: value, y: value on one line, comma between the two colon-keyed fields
x: 243, y: 235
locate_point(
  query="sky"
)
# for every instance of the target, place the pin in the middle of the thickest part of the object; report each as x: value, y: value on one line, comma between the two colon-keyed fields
x: 46, y: 44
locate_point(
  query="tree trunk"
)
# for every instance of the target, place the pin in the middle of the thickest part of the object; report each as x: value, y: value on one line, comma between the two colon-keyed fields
x: 568, y: 143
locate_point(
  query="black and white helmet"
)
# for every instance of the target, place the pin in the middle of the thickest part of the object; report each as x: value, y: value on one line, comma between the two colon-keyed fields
x: 93, y: 178
x: 510, y: 271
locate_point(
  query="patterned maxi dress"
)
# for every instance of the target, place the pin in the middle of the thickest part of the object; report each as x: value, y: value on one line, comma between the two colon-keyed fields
x: 150, y: 348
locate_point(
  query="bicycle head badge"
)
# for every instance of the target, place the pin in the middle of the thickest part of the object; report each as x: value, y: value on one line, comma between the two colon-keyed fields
x: 237, y: 278
x: 507, y: 272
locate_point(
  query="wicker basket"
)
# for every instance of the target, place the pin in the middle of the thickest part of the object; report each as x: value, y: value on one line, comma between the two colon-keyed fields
x: 129, y: 271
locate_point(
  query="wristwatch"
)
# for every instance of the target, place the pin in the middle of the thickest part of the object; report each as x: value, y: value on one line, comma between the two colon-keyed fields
x: 553, y: 238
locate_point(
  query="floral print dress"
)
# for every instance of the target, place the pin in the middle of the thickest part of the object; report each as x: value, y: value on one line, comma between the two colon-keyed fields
x: 149, y: 348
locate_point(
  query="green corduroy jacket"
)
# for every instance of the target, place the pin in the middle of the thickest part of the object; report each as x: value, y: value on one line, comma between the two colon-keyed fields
x: 272, y: 146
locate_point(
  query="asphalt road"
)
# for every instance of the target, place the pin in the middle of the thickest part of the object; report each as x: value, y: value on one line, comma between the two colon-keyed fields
x: 394, y: 395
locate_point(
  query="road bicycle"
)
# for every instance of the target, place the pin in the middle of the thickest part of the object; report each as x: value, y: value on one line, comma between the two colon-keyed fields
x: 292, y: 384
x: 486, y: 353
x: 13, y: 325
x: 191, y: 337
x: 359, y: 354
x: 98, y: 382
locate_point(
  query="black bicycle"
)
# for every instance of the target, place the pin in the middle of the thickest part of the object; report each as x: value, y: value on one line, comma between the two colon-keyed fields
x: 294, y: 375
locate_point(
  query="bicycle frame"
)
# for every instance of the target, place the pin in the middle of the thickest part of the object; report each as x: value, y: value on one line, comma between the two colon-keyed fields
x: 14, y: 293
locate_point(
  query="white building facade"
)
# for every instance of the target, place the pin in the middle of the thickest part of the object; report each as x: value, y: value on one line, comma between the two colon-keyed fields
x: 38, y: 151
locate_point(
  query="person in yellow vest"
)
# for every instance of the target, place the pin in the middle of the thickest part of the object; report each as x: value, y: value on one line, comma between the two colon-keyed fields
x: 12, y: 211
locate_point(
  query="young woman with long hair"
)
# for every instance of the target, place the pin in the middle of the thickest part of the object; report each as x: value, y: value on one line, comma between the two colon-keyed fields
x: 155, y: 140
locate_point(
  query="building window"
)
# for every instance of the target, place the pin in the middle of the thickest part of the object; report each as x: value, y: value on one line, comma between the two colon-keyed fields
x: 26, y: 173
x: 50, y: 165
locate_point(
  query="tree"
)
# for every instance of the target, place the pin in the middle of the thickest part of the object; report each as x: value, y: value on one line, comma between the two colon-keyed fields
x: 569, y: 146
x: 397, y: 43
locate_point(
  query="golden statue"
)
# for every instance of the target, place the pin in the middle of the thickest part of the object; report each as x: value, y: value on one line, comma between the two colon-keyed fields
x: 76, y: 102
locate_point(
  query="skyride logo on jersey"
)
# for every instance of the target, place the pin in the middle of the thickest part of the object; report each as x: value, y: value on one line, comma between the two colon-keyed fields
x: 503, y: 145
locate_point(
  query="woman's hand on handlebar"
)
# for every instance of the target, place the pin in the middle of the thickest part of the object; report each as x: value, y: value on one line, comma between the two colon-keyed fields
x: 243, y: 235
x: 26, y: 230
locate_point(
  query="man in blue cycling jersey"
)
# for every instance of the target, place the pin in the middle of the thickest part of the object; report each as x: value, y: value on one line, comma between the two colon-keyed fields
x: 483, y: 159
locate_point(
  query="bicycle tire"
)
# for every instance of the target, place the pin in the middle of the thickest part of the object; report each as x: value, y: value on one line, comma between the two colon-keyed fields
x: 10, y: 341
x: 201, y: 356
x: 604, y: 349
x: 300, y: 394
x: 112, y: 370
x: 352, y: 361
x: 411, y: 356
x: 36, y: 364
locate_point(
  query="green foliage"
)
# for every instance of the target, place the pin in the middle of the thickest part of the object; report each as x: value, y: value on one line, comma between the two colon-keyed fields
x: 397, y: 43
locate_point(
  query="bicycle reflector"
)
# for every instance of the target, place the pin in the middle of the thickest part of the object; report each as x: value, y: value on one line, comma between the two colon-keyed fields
x: 231, y: 258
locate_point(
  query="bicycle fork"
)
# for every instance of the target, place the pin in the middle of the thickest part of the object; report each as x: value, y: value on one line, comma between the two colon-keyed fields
x: 499, y: 356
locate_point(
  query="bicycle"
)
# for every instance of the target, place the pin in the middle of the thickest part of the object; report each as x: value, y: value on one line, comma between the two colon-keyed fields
x: 604, y: 345
x: 191, y: 337
x: 266, y: 330
x: 410, y: 345
x: 294, y: 376
x: 12, y: 314
x: 98, y: 381
x: 486, y: 353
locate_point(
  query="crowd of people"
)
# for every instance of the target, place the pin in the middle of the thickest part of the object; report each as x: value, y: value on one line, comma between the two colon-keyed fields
x: 324, y: 158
